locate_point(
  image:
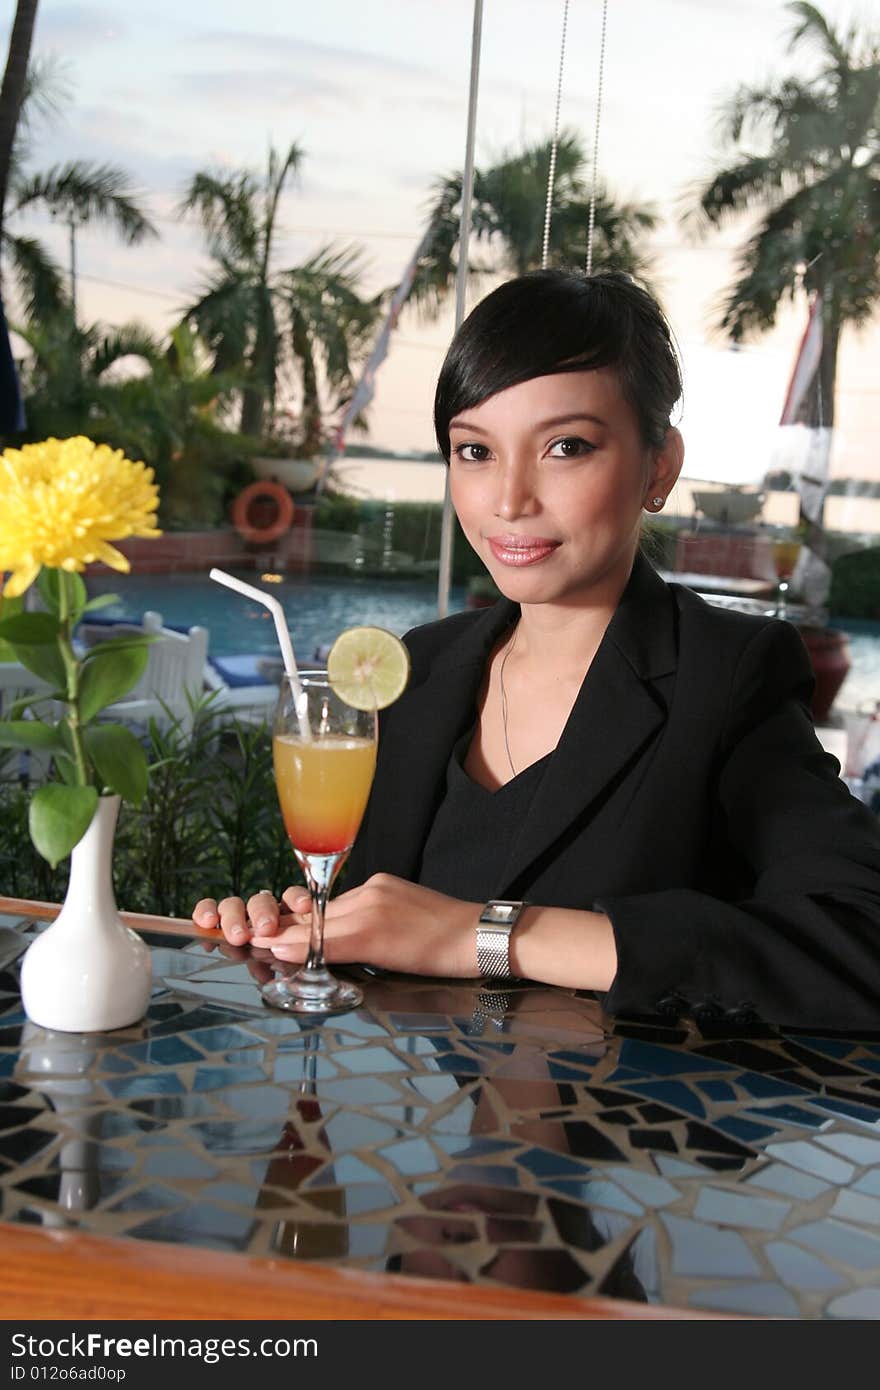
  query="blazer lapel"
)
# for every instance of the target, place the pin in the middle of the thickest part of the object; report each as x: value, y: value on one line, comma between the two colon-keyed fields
x: 427, y: 720
x: 616, y: 714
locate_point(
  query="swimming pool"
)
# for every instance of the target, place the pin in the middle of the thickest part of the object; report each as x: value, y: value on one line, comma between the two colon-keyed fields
x: 318, y: 607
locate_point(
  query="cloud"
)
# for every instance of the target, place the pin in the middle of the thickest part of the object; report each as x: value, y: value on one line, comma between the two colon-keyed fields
x: 79, y: 25
x: 271, y: 47
x: 261, y: 87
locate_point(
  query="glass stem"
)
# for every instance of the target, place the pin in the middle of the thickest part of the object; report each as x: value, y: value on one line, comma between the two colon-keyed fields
x: 782, y: 593
x: 319, y: 870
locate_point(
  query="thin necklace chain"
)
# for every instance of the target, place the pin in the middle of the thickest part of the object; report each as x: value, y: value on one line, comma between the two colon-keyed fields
x: 504, y: 699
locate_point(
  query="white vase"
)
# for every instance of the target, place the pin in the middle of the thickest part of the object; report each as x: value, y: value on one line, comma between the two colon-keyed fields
x: 88, y: 972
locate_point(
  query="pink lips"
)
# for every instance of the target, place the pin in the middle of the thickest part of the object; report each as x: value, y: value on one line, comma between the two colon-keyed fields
x: 521, y: 550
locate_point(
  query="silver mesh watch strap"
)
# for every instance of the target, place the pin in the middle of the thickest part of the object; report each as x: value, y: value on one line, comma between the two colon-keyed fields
x: 497, y: 921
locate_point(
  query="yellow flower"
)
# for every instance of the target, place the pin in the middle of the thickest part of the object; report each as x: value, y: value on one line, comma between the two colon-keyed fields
x: 62, y: 501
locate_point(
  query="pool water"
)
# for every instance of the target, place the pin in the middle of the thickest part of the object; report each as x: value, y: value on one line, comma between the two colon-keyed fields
x: 317, y: 608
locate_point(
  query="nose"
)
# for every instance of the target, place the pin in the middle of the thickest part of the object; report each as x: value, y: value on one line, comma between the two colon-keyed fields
x: 516, y: 490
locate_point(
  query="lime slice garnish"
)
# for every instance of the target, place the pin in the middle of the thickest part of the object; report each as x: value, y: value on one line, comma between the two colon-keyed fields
x: 368, y: 667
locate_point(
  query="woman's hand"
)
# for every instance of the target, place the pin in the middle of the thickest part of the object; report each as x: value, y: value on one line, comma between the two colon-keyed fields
x: 386, y: 922
x: 239, y: 921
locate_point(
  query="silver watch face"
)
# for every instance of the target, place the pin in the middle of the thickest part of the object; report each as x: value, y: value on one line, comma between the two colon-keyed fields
x: 501, y: 914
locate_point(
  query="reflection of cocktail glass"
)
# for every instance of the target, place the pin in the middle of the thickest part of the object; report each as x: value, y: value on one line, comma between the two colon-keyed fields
x: 785, y: 557
x: 325, y: 756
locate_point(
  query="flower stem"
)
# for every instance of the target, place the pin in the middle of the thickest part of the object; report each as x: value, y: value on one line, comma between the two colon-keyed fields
x: 71, y: 667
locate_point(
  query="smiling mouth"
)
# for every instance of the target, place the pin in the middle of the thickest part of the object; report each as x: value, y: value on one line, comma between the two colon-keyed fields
x: 521, y: 550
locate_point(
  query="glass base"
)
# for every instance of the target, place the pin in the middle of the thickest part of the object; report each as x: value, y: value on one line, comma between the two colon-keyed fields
x: 312, y: 994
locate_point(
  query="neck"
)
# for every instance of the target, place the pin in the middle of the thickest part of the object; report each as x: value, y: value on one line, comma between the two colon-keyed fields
x: 559, y: 638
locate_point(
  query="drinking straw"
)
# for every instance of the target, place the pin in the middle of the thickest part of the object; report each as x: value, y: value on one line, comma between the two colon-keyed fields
x: 269, y: 601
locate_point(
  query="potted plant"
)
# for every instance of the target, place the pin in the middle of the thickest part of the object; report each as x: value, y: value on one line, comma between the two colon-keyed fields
x: 286, y: 456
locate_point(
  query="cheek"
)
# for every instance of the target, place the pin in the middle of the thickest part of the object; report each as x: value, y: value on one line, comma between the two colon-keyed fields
x: 468, y: 494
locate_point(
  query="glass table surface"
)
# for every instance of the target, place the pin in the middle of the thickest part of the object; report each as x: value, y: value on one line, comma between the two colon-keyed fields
x: 521, y: 1139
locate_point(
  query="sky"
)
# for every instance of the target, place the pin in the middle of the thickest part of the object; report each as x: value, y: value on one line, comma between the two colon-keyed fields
x: 376, y: 95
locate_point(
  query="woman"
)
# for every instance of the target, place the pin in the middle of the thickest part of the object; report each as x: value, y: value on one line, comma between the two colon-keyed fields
x: 636, y: 767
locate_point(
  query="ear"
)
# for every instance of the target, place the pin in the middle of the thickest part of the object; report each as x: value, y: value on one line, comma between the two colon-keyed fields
x: 666, y: 465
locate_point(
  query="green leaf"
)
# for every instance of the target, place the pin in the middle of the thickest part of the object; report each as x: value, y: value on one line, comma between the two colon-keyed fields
x: 120, y: 644
x: 49, y: 585
x: 66, y: 769
x: 18, y: 707
x: 28, y: 733
x: 59, y: 817
x: 30, y: 629
x: 108, y: 676
x: 119, y: 760
x: 45, y: 662
x: 102, y: 601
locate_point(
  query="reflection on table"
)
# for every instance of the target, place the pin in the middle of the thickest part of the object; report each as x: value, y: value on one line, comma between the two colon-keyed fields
x: 521, y: 1140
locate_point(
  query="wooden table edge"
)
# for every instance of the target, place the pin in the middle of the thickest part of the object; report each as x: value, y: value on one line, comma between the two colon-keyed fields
x: 73, y: 1275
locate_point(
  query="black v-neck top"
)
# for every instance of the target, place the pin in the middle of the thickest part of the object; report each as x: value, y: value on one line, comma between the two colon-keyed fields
x: 470, y: 840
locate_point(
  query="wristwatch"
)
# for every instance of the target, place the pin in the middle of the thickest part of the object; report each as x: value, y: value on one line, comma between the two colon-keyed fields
x: 496, y: 923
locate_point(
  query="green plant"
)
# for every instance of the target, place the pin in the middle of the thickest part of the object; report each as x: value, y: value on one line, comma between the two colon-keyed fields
x: 855, y: 584
x: 61, y: 503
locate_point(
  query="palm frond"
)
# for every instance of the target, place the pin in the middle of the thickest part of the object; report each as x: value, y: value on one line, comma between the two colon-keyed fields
x: 91, y: 192
x: 131, y: 340
x: 813, y: 27
x: 39, y: 282
x: 225, y: 205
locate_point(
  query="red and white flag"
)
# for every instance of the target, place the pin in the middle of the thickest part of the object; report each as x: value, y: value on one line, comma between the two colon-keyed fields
x: 805, y: 368
x: 363, y: 392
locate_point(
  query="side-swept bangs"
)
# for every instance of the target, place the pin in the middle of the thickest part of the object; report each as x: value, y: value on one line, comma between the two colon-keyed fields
x: 552, y: 321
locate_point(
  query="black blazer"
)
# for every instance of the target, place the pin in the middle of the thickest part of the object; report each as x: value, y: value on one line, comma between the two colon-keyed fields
x: 688, y: 798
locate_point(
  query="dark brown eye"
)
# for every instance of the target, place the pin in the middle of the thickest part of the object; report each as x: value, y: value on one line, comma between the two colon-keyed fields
x: 471, y: 453
x: 571, y: 447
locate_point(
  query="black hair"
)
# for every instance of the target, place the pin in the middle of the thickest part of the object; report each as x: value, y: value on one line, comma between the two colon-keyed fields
x: 562, y: 321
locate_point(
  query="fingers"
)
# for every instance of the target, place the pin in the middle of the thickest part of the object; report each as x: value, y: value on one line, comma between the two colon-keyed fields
x: 233, y: 921
x: 263, y: 912
x: 205, y: 914
x: 298, y: 900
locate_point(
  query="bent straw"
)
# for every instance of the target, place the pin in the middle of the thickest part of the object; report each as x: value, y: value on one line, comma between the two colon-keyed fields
x: 269, y: 601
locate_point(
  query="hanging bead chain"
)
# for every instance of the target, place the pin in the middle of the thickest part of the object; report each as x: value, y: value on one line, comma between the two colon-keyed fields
x: 551, y: 175
x: 591, y: 229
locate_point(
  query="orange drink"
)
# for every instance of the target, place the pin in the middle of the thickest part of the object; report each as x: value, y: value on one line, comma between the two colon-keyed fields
x: 785, y: 556
x: 323, y: 786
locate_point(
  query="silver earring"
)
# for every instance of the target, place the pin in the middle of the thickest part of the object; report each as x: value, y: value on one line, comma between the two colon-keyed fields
x: 657, y: 501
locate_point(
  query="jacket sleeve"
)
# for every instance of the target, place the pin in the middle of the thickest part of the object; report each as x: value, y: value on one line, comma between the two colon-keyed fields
x: 803, y: 946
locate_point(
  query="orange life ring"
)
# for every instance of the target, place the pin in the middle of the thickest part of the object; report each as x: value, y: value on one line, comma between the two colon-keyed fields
x: 241, y: 508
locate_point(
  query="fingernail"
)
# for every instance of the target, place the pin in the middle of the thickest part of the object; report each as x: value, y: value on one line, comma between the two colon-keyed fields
x: 266, y: 925
x: 237, y: 933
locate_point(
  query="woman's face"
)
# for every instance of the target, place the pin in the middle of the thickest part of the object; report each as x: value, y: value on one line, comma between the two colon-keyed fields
x: 549, y: 479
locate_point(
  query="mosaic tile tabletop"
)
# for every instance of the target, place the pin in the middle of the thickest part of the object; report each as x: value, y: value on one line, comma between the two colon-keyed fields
x: 521, y: 1140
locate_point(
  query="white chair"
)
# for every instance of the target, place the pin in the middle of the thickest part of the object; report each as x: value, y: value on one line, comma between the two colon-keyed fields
x: 250, y: 703
x: 174, y: 676
x: 16, y: 681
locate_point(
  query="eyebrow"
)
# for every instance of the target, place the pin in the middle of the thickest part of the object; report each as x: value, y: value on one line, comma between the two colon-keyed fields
x: 553, y: 423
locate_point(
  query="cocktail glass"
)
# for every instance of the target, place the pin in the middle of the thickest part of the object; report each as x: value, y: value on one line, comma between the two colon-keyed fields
x: 786, y: 552
x: 324, y: 752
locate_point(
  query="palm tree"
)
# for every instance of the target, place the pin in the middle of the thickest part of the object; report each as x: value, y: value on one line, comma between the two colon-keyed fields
x: 65, y: 377
x: 808, y: 157
x: 12, y: 93
x: 77, y: 192
x: 508, y: 211
x: 171, y: 413
x: 297, y: 331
